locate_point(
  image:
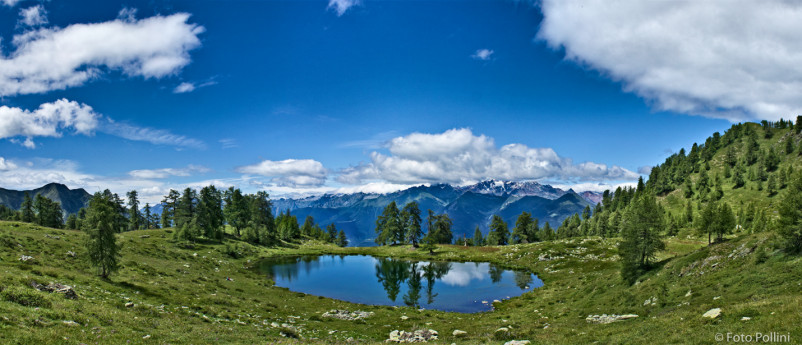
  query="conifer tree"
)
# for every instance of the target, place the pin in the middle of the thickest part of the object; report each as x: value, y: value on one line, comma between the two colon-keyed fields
x: 790, y: 222
x: 26, y: 209
x: 147, y: 216
x: 342, y: 241
x: 308, y: 227
x: 771, y: 185
x: 236, y: 209
x: 389, y: 228
x: 332, y: 233
x: 478, y: 239
x: 208, y: 217
x: 533, y: 231
x: 72, y: 222
x: 169, y: 204
x: 262, y: 226
x: 412, y: 223
x: 522, y: 225
x: 441, y: 232
x: 134, y: 216
x: 101, y: 242
x: 499, y: 233
x: 640, y: 232
x: 185, y: 209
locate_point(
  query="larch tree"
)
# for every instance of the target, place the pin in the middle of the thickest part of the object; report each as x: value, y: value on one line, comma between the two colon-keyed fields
x: 412, y: 223
x: 26, y: 209
x: 522, y: 227
x: 134, y: 216
x: 389, y: 228
x: 640, y: 236
x: 101, y: 243
x: 342, y: 241
x: 499, y: 233
x: 478, y: 239
x: 789, y: 226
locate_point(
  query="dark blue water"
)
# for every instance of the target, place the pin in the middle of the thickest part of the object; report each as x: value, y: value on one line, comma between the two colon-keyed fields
x: 449, y: 286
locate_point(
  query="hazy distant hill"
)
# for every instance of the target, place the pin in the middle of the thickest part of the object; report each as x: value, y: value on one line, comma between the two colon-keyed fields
x: 467, y: 206
x: 71, y: 200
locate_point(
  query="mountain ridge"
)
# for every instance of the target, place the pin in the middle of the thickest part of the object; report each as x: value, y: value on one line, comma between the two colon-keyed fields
x: 468, y: 206
x: 71, y: 200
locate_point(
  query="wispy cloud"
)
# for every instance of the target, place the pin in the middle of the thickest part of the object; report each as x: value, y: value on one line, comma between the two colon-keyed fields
x: 151, y: 135
x: 168, y: 172
x: 341, y: 6
x: 190, y: 86
x: 228, y: 143
x: 482, y: 54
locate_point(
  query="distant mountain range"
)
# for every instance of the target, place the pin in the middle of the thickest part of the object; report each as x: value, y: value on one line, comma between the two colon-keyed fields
x: 356, y: 213
x: 71, y: 200
x: 468, y: 206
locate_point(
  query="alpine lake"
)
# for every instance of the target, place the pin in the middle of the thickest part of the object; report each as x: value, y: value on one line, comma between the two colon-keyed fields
x: 465, y: 287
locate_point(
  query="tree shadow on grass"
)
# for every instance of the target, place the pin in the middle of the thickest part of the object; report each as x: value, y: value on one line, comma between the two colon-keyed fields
x: 141, y: 289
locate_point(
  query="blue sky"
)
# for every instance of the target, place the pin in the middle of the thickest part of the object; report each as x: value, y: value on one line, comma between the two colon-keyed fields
x: 304, y: 97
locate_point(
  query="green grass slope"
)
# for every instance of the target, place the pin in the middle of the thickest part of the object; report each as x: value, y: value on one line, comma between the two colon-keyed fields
x: 180, y: 294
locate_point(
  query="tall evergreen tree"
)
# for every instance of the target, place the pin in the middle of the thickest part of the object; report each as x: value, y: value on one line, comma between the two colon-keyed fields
x: 342, y: 241
x: 707, y: 220
x: 478, y: 239
x: 640, y: 232
x: 308, y: 227
x: 441, y: 232
x: 389, y: 228
x: 236, y: 210
x: 72, y: 222
x: 169, y: 204
x: 209, y: 217
x: 499, y: 233
x: 332, y: 233
x: 185, y: 209
x: 26, y: 210
x: 790, y: 222
x: 134, y: 216
x: 147, y: 217
x: 522, y: 227
x: 262, y: 226
x: 100, y: 226
x: 533, y: 232
x: 412, y: 223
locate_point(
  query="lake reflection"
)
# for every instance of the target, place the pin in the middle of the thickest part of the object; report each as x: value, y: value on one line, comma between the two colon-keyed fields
x: 451, y: 286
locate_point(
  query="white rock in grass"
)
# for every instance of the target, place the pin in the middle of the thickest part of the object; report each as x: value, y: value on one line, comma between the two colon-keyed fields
x: 712, y: 313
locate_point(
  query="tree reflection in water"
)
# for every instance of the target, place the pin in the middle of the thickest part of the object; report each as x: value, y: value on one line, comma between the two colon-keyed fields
x: 393, y: 273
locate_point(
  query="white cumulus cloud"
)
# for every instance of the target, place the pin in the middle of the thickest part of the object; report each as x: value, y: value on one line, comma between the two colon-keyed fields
x: 184, y: 88
x: 6, y: 165
x: 152, y: 48
x: 457, y: 156
x: 49, y: 120
x: 734, y: 60
x: 33, y: 16
x: 10, y: 3
x: 289, y: 172
x: 341, y: 6
x: 482, y: 54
